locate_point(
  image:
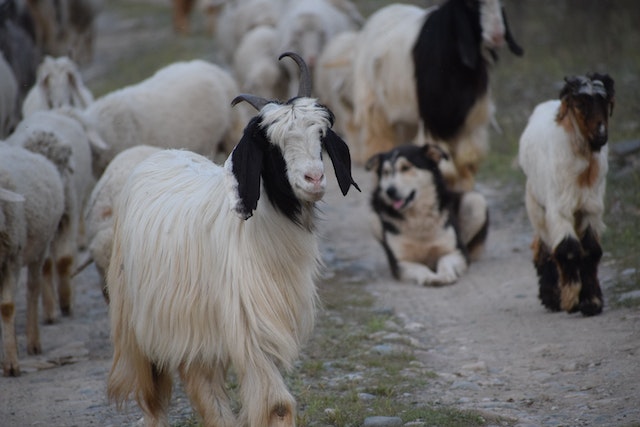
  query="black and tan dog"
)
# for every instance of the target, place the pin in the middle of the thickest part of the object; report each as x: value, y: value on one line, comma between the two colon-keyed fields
x: 428, y: 232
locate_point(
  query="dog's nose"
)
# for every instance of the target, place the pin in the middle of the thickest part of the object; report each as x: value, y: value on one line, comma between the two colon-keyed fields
x: 392, y: 193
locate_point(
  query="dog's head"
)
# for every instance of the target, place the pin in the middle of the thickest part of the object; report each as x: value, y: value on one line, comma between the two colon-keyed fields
x: 405, y: 174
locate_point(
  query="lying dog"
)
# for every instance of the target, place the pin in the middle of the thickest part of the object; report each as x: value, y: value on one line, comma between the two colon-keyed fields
x: 428, y: 232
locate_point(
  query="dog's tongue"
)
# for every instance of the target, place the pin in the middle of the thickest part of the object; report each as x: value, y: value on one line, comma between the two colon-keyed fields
x: 398, y: 204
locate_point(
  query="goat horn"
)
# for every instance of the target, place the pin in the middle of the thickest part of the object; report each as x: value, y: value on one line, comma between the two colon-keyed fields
x: 305, y: 75
x: 255, y: 101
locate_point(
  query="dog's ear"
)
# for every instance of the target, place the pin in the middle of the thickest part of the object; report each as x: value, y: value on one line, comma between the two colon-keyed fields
x: 338, y: 152
x: 435, y: 152
x: 373, y: 162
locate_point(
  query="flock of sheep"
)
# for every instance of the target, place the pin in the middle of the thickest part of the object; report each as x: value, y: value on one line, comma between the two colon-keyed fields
x: 208, y: 248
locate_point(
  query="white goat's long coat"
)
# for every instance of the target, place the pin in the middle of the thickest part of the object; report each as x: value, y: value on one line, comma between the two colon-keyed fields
x: 553, y: 160
x: 192, y: 282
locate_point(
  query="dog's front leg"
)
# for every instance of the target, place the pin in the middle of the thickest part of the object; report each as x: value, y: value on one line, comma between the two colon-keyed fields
x: 450, y: 267
x: 419, y: 273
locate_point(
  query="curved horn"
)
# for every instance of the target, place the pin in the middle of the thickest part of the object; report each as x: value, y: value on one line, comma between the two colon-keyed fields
x: 305, y: 75
x: 255, y: 101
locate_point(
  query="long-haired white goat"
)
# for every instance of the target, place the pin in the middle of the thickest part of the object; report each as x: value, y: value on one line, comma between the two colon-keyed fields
x: 196, y: 286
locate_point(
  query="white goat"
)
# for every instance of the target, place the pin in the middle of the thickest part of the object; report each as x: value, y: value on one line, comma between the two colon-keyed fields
x: 98, y: 215
x: 418, y: 69
x: 196, y: 286
x: 31, y: 205
x: 9, y: 109
x: 183, y: 105
x: 58, y: 84
x: 563, y: 153
x: 64, y: 142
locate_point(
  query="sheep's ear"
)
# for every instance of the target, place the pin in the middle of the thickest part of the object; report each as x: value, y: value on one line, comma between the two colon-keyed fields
x: 246, y: 166
x: 467, y: 43
x: 10, y: 196
x: 339, y: 154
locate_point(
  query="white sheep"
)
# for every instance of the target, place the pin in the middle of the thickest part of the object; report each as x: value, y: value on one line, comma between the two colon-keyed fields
x: 563, y: 153
x: 64, y: 142
x: 9, y: 110
x: 58, y: 84
x: 239, y: 17
x: 333, y: 80
x: 214, y: 266
x: 306, y: 26
x: 183, y: 105
x: 98, y: 215
x: 427, y: 70
x: 255, y: 65
x: 31, y: 205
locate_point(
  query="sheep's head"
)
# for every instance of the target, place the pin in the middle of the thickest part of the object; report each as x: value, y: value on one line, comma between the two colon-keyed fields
x: 590, y: 100
x: 283, y: 145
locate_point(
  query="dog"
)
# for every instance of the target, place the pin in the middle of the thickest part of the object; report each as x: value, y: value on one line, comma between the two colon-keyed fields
x: 429, y: 233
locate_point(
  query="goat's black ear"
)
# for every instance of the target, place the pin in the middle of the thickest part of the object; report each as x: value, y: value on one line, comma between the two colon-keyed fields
x: 514, y: 47
x: 246, y: 166
x: 467, y: 43
x: 608, y: 84
x: 339, y: 154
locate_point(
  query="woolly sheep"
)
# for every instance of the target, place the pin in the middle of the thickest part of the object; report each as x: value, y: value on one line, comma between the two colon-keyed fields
x: 426, y: 70
x: 563, y: 154
x: 306, y: 26
x: 214, y: 266
x: 183, y: 105
x: 9, y: 111
x: 98, y: 214
x: 255, y: 66
x: 64, y: 142
x: 58, y: 84
x: 333, y: 80
x: 31, y: 205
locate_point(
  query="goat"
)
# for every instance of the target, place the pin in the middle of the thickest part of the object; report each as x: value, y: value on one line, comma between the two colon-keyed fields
x: 196, y: 286
x: 563, y: 154
x: 420, y: 70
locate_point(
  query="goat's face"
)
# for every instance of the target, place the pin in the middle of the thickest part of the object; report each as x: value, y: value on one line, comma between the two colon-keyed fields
x: 298, y: 129
x: 492, y: 23
x: 590, y: 100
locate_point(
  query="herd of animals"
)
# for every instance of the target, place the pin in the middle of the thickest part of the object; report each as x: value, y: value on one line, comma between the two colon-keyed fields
x: 199, y: 213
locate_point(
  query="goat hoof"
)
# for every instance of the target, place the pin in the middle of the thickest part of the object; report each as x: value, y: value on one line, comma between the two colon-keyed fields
x: 11, y: 370
x: 591, y: 308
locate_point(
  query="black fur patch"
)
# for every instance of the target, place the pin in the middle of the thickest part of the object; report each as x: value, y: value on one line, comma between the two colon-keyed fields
x: 450, y: 72
x: 591, y: 300
x: 549, y: 289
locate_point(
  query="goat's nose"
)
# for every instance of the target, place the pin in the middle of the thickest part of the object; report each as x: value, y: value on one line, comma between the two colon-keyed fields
x: 314, y: 178
x: 602, y: 130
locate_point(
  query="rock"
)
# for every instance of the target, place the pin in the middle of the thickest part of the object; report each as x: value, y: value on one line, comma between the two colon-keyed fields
x: 382, y: 422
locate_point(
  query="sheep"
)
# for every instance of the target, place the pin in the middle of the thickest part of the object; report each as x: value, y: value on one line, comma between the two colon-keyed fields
x: 307, y: 26
x: 255, y: 67
x: 98, y: 215
x: 563, y: 154
x: 183, y: 105
x: 9, y: 111
x: 51, y: 133
x: 31, y: 205
x: 333, y: 80
x: 58, y: 84
x: 427, y: 71
x: 214, y: 266
x: 239, y: 17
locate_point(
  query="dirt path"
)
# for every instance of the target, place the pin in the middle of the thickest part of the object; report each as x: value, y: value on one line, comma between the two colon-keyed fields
x: 490, y: 342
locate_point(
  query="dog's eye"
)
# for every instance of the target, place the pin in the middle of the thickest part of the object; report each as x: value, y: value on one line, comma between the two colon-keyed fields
x: 405, y: 168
